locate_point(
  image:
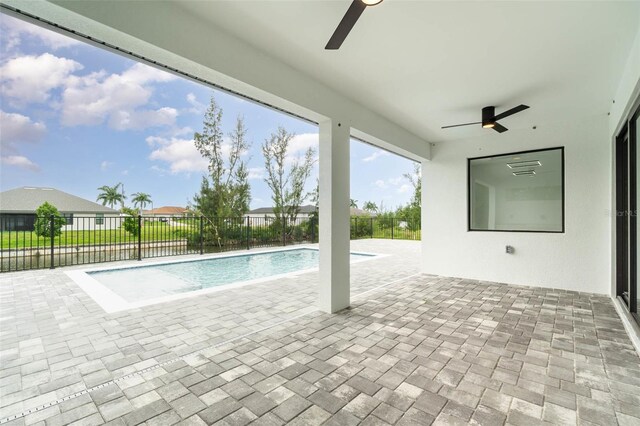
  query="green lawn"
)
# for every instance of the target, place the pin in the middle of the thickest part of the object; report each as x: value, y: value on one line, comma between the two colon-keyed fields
x: 151, y: 231
x: 158, y: 231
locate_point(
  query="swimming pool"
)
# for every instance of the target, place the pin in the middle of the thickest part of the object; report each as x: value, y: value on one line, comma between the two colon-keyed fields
x: 122, y: 288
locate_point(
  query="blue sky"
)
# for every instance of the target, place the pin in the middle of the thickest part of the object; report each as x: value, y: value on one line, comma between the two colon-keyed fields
x: 76, y: 117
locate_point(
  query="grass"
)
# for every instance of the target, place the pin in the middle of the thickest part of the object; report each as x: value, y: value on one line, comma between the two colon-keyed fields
x: 155, y: 231
x: 151, y: 231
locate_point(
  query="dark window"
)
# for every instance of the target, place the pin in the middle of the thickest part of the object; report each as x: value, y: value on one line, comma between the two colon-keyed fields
x: 99, y: 218
x: 517, y: 192
x: 69, y: 218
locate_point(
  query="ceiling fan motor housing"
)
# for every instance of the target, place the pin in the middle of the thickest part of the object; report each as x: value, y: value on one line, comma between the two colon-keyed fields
x: 488, y: 114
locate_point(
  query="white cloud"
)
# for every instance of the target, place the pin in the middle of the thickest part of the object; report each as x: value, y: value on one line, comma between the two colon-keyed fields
x: 299, y: 145
x: 399, y: 183
x: 137, y: 120
x: 19, y: 161
x: 196, y: 106
x: 181, y: 154
x: 105, y: 165
x: 14, y: 30
x: 16, y: 129
x: 96, y: 97
x: 375, y: 155
x: 256, y: 173
x: 404, y: 188
x: 396, y: 181
x: 30, y: 79
x: 381, y: 184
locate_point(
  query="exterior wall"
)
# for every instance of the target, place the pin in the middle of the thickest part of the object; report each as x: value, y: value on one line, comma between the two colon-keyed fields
x: 24, y: 222
x: 578, y: 259
x: 271, y: 216
x: 87, y: 222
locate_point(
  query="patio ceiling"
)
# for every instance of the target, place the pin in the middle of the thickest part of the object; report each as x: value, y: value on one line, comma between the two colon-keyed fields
x: 432, y: 63
x: 407, y: 68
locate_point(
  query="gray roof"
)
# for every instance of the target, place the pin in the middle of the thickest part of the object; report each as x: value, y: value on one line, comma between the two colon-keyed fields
x: 28, y: 198
x: 266, y: 210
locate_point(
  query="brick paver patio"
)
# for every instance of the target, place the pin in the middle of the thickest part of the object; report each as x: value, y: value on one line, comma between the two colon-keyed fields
x: 419, y: 350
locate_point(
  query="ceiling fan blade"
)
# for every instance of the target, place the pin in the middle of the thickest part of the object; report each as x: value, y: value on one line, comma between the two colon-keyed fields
x: 344, y: 27
x: 511, y: 112
x: 499, y: 128
x: 459, y: 125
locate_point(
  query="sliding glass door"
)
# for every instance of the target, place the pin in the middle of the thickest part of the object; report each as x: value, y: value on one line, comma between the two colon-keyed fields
x: 627, y: 155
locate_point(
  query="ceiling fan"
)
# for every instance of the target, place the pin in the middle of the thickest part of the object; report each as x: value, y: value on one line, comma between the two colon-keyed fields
x: 348, y: 21
x: 490, y: 119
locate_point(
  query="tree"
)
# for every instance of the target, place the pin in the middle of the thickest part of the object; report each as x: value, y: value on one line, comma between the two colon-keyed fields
x: 140, y: 200
x: 370, y: 206
x: 111, y: 195
x: 226, y: 191
x: 286, y: 181
x: 415, y: 179
x: 353, y: 203
x: 411, y: 212
x: 42, y: 225
x: 130, y: 223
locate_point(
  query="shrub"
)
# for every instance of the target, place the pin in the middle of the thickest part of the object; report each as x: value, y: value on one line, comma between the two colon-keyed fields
x: 42, y: 225
x: 130, y: 223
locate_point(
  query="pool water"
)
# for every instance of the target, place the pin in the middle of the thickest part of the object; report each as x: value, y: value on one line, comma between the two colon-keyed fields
x: 153, y: 281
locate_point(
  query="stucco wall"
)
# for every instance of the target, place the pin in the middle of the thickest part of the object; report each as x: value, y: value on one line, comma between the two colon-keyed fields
x: 578, y: 259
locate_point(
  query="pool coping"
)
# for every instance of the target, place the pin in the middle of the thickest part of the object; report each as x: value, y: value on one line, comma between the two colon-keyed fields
x: 111, y: 302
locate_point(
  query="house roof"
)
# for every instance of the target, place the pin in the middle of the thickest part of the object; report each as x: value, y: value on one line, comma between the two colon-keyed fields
x: 168, y: 210
x: 359, y: 212
x: 28, y: 198
x: 266, y: 210
x: 310, y: 209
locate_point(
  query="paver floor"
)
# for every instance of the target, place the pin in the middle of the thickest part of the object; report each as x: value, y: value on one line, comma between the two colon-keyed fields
x: 420, y: 350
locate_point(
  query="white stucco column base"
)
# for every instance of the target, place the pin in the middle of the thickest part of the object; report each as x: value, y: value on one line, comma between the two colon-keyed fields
x: 334, y: 216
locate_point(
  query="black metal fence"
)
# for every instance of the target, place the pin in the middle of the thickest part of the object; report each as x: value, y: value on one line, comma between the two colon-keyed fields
x: 37, y: 243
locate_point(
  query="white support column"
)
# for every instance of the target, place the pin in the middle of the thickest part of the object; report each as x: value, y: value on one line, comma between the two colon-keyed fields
x: 423, y: 214
x: 334, y: 216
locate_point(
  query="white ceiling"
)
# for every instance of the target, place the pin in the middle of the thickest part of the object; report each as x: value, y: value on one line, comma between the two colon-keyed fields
x: 425, y: 64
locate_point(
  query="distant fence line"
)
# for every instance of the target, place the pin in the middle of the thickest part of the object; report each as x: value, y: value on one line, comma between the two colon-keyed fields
x: 90, y: 240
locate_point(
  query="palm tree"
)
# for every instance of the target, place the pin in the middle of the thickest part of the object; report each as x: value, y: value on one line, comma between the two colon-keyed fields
x: 354, y: 203
x: 140, y: 200
x: 110, y: 195
x: 370, y: 206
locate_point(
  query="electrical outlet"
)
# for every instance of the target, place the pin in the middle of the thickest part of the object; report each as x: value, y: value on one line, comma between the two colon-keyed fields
x: 509, y: 249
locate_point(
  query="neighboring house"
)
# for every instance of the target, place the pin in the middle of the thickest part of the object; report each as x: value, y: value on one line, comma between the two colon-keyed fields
x: 18, y: 210
x: 267, y: 214
x: 305, y: 212
x: 167, y: 212
x: 359, y: 212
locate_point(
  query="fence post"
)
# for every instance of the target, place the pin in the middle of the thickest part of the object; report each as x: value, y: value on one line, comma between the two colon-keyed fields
x: 139, y: 237
x: 371, y: 226
x: 356, y: 233
x: 52, y: 235
x: 284, y: 230
x: 312, y: 222
x: 392, y: 220
x: 248, y: 233
x: 201, y: 234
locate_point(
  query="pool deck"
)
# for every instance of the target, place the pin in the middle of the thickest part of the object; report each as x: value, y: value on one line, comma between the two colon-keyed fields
x: 412, y: 349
